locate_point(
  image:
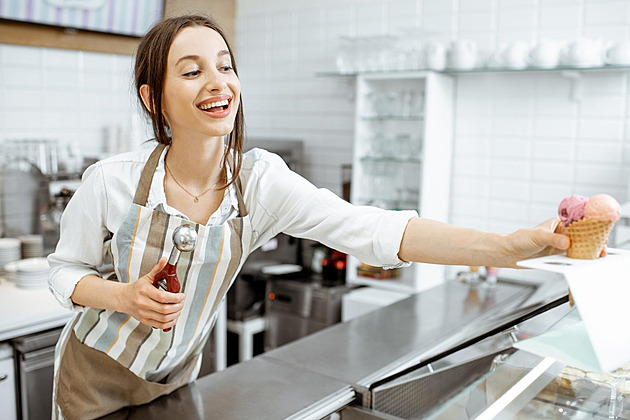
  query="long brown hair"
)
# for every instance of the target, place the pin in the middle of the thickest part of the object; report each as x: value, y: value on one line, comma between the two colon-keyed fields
x: 150, y: 69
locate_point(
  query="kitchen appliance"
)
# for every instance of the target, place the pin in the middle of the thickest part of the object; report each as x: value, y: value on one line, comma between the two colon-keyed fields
x: 246, y: 297
x: 297, y: 307
x: 23, y: 192
x: 50, y: 218
x: 34, y: 355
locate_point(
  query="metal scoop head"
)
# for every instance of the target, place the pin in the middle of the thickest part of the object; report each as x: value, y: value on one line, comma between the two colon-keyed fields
x: 185, y: 238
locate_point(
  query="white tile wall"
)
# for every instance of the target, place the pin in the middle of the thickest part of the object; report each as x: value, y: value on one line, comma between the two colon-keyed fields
x: 70, y: 96
x: 522, y: 142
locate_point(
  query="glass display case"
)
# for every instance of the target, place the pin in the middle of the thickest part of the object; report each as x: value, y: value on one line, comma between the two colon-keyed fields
x: 512, y: 384
x: 526, y: 386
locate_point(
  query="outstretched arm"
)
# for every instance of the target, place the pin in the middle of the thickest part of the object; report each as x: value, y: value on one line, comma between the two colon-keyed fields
x: 435, y: 242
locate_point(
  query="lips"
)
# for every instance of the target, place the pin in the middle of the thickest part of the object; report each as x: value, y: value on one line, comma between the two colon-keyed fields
x: 217, y: 107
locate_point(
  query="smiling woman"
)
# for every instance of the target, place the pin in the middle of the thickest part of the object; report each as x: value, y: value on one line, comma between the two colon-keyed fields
x: 130, y: 342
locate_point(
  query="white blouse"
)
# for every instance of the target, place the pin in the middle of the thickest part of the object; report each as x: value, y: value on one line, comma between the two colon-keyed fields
x: 276, y: 198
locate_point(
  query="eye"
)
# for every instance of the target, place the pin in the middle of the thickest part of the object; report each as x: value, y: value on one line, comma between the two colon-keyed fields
x: 226, y: 67
x: 192, y: 73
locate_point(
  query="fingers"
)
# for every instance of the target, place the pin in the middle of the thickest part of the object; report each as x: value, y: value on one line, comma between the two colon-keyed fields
x: 150, y: 305
x: 158, y: 315
x: 550, y: 224
x: 551, y: 233
x: 561, y: 241
x: 555, y: 240
x: 560, y: 228
x: 157, y: 268
x: 163, y: 321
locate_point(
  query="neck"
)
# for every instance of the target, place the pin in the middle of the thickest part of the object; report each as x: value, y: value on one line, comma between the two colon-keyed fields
x: 198, y: 164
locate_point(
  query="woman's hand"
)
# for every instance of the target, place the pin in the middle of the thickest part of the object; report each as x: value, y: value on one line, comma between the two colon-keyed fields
x: 545, y: 239
x: 150, y: 305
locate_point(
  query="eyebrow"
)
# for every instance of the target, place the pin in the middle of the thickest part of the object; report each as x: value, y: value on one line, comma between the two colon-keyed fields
x: 196, y: 57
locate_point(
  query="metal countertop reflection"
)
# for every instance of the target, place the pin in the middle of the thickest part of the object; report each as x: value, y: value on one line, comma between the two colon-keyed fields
x: 366, y: 349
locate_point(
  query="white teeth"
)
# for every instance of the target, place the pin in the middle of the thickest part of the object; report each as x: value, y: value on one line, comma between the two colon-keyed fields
x: 224, y: 102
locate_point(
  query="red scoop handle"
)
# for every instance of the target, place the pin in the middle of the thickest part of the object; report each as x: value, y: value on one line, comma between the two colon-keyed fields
x: 167, y: 280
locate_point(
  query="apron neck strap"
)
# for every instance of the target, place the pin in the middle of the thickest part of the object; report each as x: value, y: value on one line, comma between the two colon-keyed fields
x: 146, y: 178
x: 242, y: 212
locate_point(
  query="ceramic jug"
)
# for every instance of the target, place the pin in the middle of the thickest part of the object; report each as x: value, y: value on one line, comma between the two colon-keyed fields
x: 463, y: 54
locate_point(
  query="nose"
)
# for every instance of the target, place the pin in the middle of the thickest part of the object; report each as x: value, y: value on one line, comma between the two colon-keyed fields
x: 215, y: 81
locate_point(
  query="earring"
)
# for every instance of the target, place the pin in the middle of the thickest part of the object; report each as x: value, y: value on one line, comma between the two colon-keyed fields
x: 167, y: 129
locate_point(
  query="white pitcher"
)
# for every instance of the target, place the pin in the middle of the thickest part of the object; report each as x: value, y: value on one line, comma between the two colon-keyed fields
x: 618, y: 53
x: 584, y: 52
x: 463, y: 54
x: 435, y: 55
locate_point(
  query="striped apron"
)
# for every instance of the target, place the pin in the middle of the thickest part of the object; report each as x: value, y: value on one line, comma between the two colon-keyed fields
x: 106, y: 360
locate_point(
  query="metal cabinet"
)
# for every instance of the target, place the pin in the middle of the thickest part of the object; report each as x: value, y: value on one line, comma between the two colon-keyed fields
x: 8, y: 401
x: 35, y: 358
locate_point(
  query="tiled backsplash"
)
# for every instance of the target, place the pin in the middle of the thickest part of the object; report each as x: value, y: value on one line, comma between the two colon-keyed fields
x: 70, y: 96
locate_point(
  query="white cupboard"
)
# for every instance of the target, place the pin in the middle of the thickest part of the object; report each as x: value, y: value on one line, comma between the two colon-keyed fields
x: 402, y: 159
x: 7, y: 383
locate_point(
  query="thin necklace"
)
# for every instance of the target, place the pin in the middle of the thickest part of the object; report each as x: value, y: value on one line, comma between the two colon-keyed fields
x: 195, y: 197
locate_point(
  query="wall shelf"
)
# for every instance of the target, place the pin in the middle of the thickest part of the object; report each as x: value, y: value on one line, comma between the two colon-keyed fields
x: 478, y: 70
x: 391, y: 159
x: 392, y: 117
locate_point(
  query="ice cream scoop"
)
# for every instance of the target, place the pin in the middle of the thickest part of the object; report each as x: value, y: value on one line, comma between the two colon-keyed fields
x: 602, y: 207
x: 571, y: 209
x: 184, y: 240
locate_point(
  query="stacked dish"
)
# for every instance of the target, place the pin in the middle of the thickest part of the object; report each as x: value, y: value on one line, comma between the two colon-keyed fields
x: 10, y: 250
x: 30, y: 273
x: 32, y: 246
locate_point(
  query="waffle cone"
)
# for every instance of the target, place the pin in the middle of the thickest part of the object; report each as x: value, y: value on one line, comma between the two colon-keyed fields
x: 588, y: 237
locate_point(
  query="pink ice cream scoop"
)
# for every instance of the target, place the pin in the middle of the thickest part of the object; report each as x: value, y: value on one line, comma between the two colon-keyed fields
x: 602, y: 207
x: 571, y: 209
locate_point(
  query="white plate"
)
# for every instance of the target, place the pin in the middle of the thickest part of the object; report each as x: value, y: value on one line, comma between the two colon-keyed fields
x: 31, y: 239
x: 33, y: 265
x: 9, y: 243
x: 31, y: 286
x: 11, y: 267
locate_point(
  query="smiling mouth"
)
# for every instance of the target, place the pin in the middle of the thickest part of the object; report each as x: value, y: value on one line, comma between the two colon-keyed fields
x: 217, y: 106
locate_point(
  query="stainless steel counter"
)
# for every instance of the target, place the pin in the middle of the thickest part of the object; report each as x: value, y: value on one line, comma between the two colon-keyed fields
x: 318, y: 375
x: 257, y: 389
x: 363, y: 350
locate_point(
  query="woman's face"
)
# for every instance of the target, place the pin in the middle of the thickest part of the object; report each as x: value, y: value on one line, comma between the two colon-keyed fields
x: 201, y: 91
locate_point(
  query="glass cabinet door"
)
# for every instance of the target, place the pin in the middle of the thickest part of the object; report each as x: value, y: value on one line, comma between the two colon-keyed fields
x: 527, y: 386
x: 402, y: 161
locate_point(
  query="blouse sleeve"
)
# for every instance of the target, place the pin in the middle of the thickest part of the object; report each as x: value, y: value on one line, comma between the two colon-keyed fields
x: 296, y: 207
x: 80, y: 249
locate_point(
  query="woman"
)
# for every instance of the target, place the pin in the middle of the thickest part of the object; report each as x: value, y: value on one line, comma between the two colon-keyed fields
x: 116, y: 352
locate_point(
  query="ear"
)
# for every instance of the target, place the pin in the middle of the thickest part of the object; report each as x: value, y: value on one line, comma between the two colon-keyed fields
x: 145, y: 94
